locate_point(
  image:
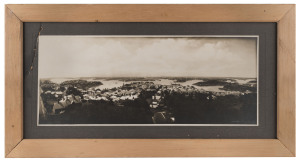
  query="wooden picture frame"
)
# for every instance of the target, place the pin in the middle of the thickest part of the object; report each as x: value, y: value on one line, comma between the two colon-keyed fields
x: 16, y: 146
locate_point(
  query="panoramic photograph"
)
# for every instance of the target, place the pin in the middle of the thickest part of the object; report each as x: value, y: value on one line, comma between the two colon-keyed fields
x: 148, y: 80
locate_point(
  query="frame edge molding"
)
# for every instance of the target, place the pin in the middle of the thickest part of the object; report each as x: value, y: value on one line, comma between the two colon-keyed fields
x: 13, y: 80
x: 40, y: 148
x: 286, y: 80
x: 16, y: 146
x: 150, y: 12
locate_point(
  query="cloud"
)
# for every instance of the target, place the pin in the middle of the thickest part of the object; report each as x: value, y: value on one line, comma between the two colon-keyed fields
x: 84, y: 56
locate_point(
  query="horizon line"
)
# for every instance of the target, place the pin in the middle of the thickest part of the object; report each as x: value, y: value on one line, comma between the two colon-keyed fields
x: 149, y: 77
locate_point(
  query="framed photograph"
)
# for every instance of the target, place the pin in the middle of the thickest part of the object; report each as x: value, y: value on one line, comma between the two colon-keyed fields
x: 102, y: 79
x: 141, y: 81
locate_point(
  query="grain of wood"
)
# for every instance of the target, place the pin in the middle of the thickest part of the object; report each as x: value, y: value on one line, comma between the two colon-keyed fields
x: 16, y: 14
x: 13, y: 81
x: 149, y: 12
x: 286, y: 81
x: 149, y: 148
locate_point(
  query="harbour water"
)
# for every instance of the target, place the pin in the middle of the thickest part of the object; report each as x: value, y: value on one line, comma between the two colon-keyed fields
x: 115, y: 83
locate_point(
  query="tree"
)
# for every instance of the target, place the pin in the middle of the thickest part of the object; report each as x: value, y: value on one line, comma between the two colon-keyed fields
x: 74, y: 91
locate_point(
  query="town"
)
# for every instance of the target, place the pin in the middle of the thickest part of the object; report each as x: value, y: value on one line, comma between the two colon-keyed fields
x: 153, y: 99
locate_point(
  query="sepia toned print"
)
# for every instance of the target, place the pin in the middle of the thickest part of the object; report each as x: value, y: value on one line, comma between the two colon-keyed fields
x: 148, y: 81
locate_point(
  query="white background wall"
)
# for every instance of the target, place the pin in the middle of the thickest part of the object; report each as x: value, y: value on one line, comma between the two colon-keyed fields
x: 2, y: 2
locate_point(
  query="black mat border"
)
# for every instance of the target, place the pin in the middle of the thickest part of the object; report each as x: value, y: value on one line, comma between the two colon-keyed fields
x: 267, y: 80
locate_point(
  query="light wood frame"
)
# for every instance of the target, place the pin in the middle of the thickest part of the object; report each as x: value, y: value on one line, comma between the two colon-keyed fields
x: 16, y: 146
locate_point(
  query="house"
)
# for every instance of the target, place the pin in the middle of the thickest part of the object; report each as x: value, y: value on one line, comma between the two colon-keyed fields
x: 104, y: 98
x: 90, y: 92
x: 153, y: 105
x: 86, y: 96
x: 74, y: 99
x: 65, y: 102
x: 57, y: 107
x: 123, y: 98
x: 156, y: 97
x: 113, y: 97
x: 70, y: 98
x: 91, y: 98
x: 84, y: 92
x: 77, y: 99
x: 48, y: 92
x: 135, y: 96
x: 116, y: 99
x: 98, y: 91
x: 59, y: 93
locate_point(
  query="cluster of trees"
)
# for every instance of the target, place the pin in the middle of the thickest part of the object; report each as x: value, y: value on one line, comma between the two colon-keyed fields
x: 48, y: 100
x: 74, y: 91
x: 199, y: 109
x: 105, y: 112
x: 212, y: 82
x: 238, y: 87
x: 233, y: 86
x: 83, y: 84
x: 48, y: 85
x: 196, y: 109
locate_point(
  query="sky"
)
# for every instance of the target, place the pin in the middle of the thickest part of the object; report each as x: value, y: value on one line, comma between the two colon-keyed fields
x: 98, y: 56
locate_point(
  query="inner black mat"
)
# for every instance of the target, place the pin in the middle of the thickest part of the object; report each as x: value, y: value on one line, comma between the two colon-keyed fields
x: 267, y: 80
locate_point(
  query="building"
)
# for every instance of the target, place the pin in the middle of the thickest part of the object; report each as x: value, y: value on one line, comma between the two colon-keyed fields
x: 57, y: 107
